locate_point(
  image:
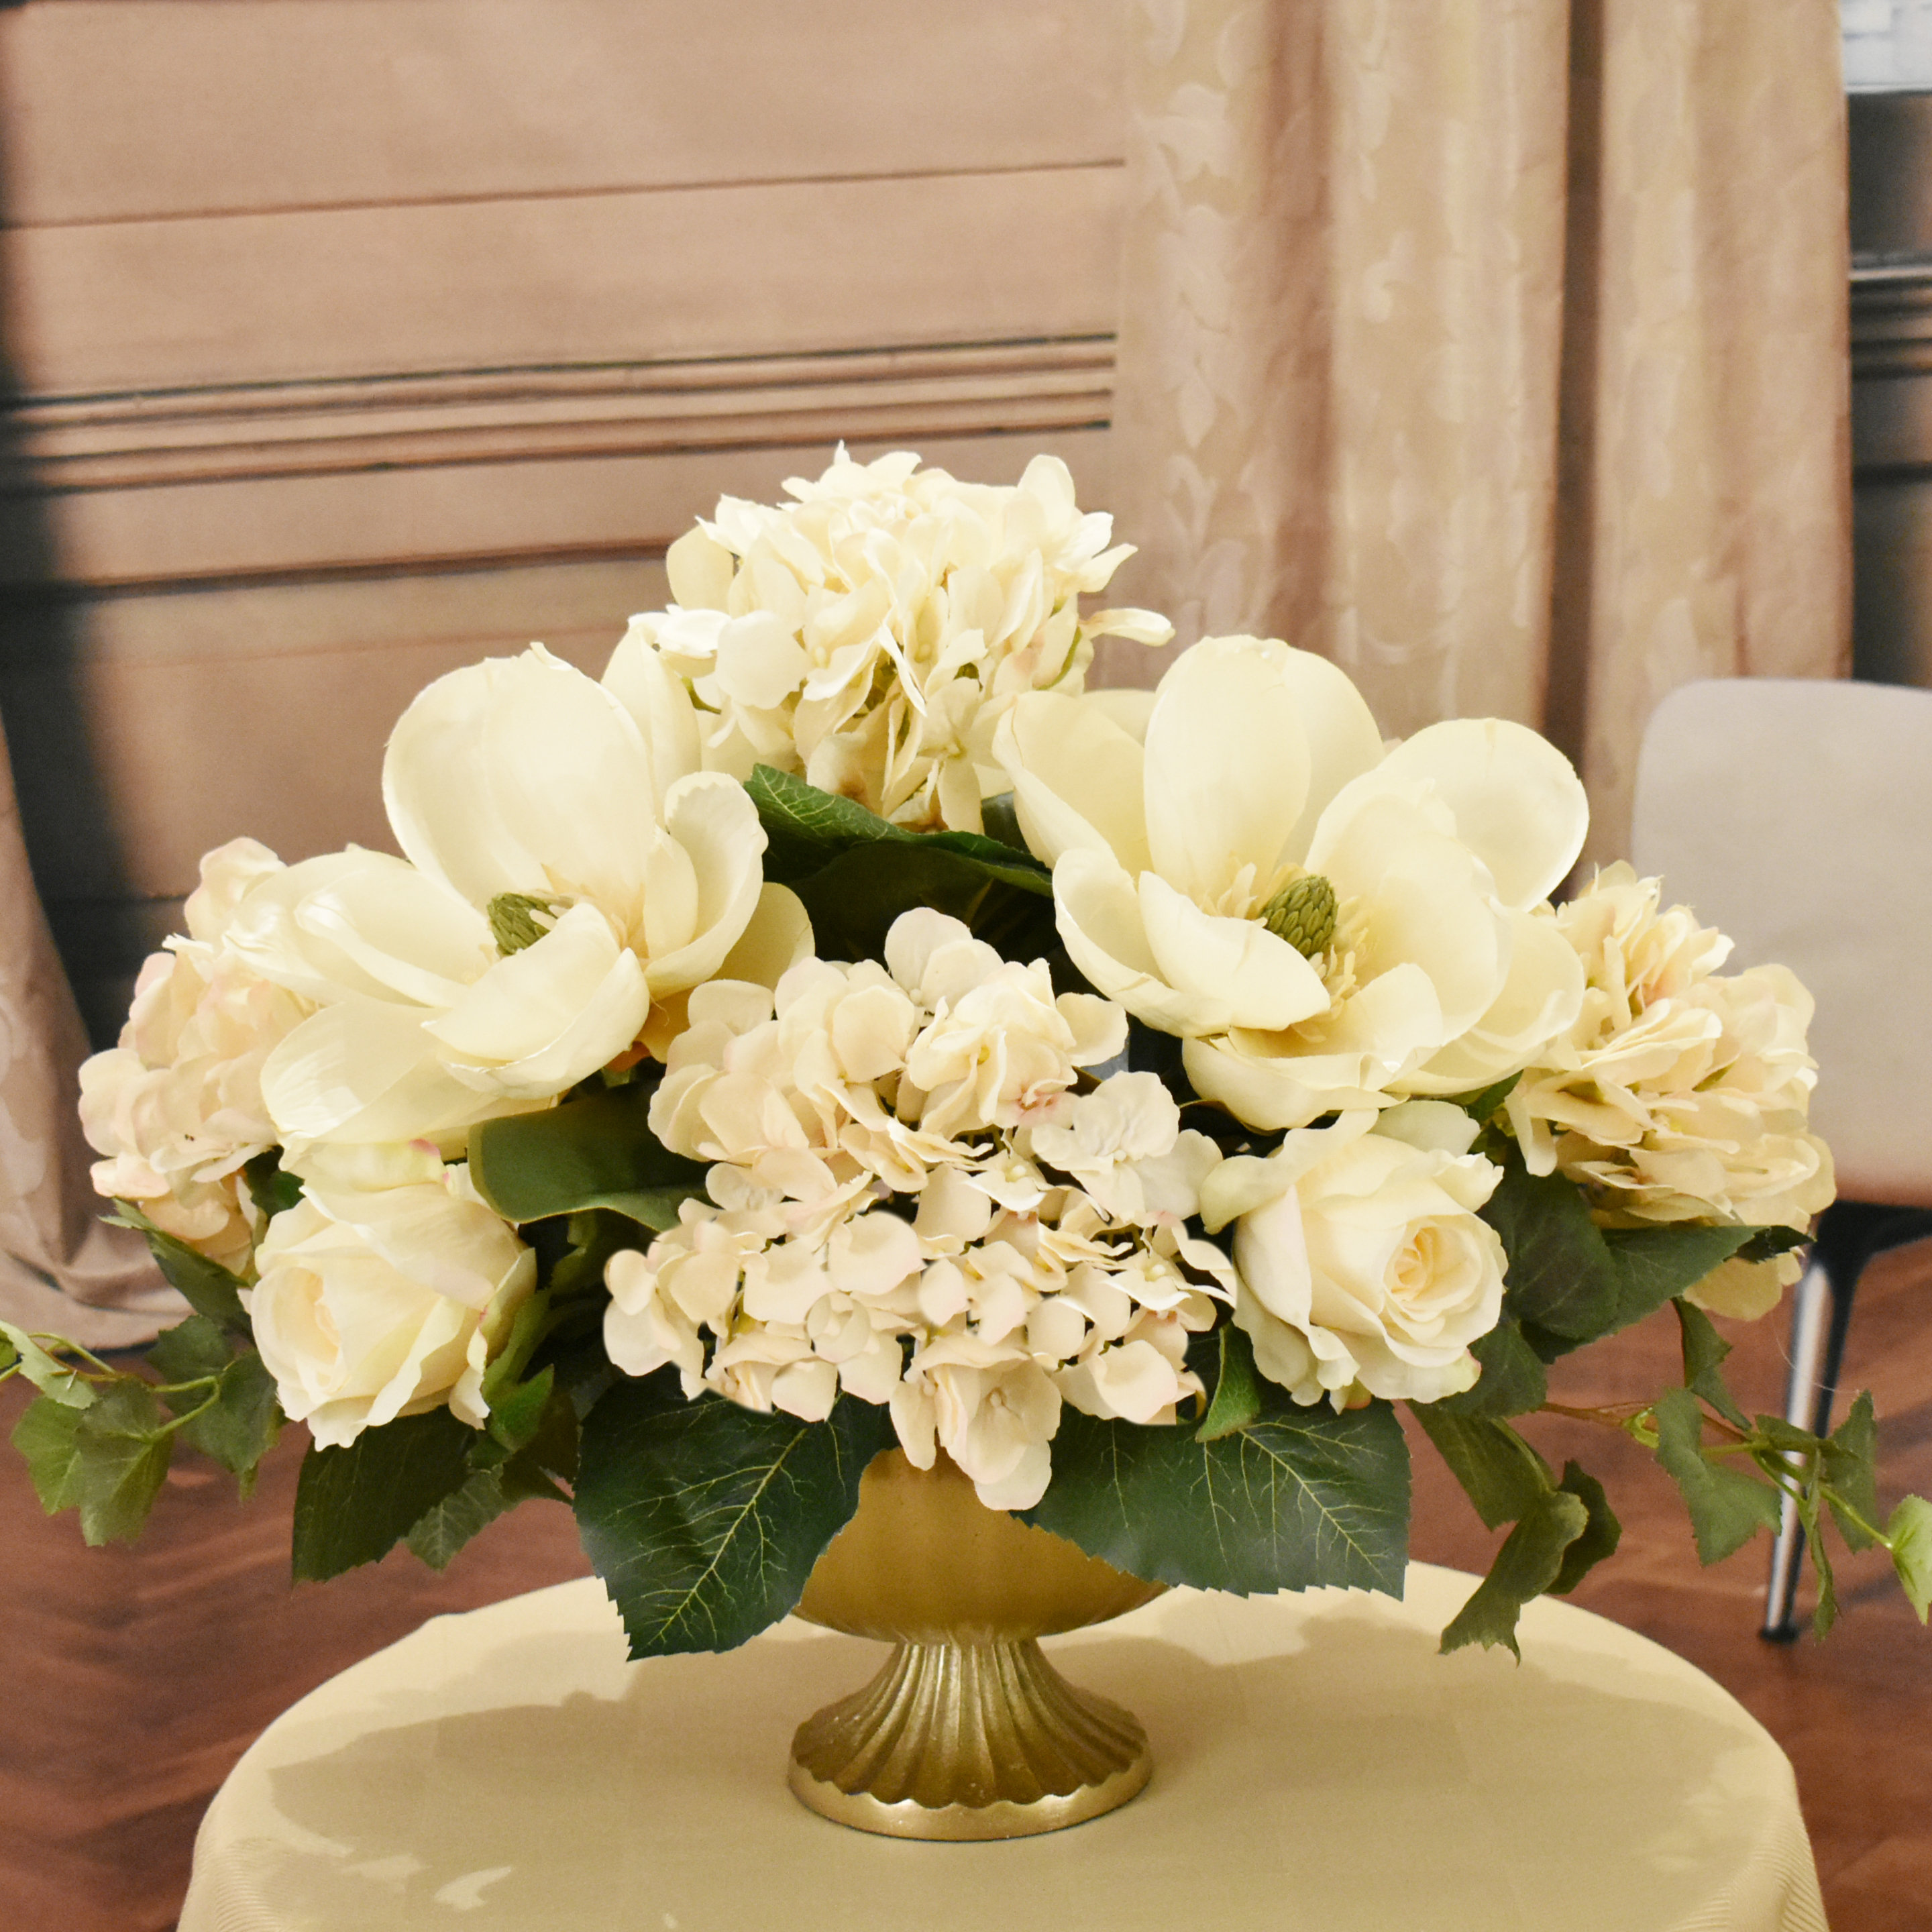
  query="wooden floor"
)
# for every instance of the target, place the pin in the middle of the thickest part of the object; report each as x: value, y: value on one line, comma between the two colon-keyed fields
x: 133, y: 1679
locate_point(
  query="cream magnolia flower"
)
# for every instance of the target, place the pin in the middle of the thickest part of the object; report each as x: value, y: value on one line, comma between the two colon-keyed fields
x: 385, y: 1291
x: 176, y: 1108
x: 1363, y: 1267
x: 872, y: 633
x: 1678, y: 1094
x: 1326, y: 926
x: 570, y: 876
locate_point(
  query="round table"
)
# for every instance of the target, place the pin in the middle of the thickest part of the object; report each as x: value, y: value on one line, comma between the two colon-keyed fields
x: 1316, y: 1765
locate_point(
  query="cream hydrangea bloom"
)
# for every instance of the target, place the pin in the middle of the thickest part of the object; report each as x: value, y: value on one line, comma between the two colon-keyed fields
x: 884, y: 1219
x: 1327, y: 925
x: 1364, y: 1269
x: 871, y: 633
x: 385, y: 1291
x: 570, y: 874
x: 1679, y: 1093
x: 176, y: 1108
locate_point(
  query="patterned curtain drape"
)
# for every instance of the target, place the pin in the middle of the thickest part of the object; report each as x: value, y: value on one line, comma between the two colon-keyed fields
x: 1495, y: 348
x: 61, y: 1269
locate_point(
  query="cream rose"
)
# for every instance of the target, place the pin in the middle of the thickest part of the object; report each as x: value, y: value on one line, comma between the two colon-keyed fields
x: 176, y: 1108
x: 1325, y: 925
x: 385, y: 1291
x: 1363, y: 1267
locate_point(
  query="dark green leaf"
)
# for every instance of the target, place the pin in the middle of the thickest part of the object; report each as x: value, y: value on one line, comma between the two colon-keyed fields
x: 1560, y: 1276
x: 1300, y: 1498
x: 1727, y: 1507
x: 854, y: 898
x: 1529, y: 1562
x: 9, y: 1354
x: 1600, y: 1535
x: 124, y: 1447
x: 1513, y: 1382
x: 1654, y: 1263
x: 1485, y: 1102
x: 1791, y: 1435
x: 435, y: 1536
x: 1768, y: 1243
x: 273, y: 1192
x: 240, y: 1428
x: 1704, y: 1352
x: 597, y: 1152
x: 704, y: 1519
x: 52, y: 1377
x: 1851, y: 1474
x: 45, y: 1435
x: 1910, y: 1533
x: 207, y: 1287
x: 1001, y: 820
x: 1238, y: 1394
x: 353, y: 1505
x: 1500, y: 1473
x: 191, y: 1351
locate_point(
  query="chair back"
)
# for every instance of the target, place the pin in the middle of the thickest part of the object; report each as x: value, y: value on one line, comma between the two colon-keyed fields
x: 1796, y: 815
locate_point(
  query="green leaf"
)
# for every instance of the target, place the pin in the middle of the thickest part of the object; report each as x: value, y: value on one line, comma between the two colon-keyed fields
x: 123, y: 1445
x: 514, y: 1417
x: 1654, y: 1263
x: 1704, y: 1352
x: 1300, y: 1498
x: 1851, y: 1474
x: 704, y: 1519
x: 597, y: 1152
x: 53, y: 1377
x: 1238, y: 1394
x: 1601, y: 1534
x: 1513, y: 1382
x: 1727, y: 1507
x: 240, y: 1427
x: 273, y: 1192
x: 1001, y: 819
x: 1909, y: 1533
x: 207, y: 1287
x: 353, y: 1505
x: 45, y: 1435
x: 1529, y: 1562
x: 1561, y: 1276
x: 435, y: 1536
x: 9, y: 1354
x: 191, y: 1352
x: 1824, y: 1608
x: 1486, y: 1101
x: 1500, y: 1473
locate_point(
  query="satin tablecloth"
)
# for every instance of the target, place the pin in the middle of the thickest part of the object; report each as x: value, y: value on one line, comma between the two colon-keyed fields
x: 1316, y: 1766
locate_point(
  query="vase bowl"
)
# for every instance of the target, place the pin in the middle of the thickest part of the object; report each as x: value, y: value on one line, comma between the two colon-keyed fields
x: 967, y: 1732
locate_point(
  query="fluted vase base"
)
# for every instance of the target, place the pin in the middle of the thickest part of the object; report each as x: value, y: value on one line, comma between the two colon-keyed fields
x: 968, y: 1740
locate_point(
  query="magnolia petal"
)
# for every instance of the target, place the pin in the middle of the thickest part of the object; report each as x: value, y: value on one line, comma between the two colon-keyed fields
x: 408, y: 932
x: 1287, y: 1090
x: 1518, y: 803
x: 659, y: 705
x: 1097, y: 911
x: 266, y: 932
x: 776, y: 937
x: 610, y: 1018
x: 1235, y: 971
x: 525, y: 1000
x: 1076, y: 779
x: 1126, y: 707
x: 712, y: 818
x: 1227, y: 766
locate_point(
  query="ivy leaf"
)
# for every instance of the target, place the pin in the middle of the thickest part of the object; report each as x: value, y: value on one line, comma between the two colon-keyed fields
x: 1851, y: 1471
x: 1727, y: 1507
x: 1910, y: 1533
x: 1704, y: 1352
x: 207, y: 1287
x: 1600, y: 1535
x: 1824, y: 1609
x: 1561, y: 1276
x: 704, y: 1519
x: 1501, y: 1473
x: 1238, y: 1394
x: 241, y: 1426
x: 52, y: 1377
x: 1529, y: 1562
x: 1513, y: 1382
x: 44, y: 1435
x: 1300, y: 1498
x: 191, y: 1351
x: 597, y: 1152
x: 123, y: 1446
x: 353, y: 1505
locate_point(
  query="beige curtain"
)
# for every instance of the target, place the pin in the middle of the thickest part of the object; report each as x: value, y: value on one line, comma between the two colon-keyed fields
x: 61, y: 1270
x: 1495, y: 348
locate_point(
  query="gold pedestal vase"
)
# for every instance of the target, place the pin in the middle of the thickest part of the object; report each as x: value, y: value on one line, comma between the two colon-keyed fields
x: 968, y: 1731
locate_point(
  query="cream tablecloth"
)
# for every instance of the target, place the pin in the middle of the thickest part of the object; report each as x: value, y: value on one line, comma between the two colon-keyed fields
x: 1316, y: 1766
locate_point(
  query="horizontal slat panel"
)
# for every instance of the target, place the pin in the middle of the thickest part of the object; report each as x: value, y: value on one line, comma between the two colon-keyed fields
x: 122, y: 108
x: 759, y: 270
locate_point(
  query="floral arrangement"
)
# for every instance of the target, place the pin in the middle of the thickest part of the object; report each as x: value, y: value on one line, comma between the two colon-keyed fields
x: 836, y: 1029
